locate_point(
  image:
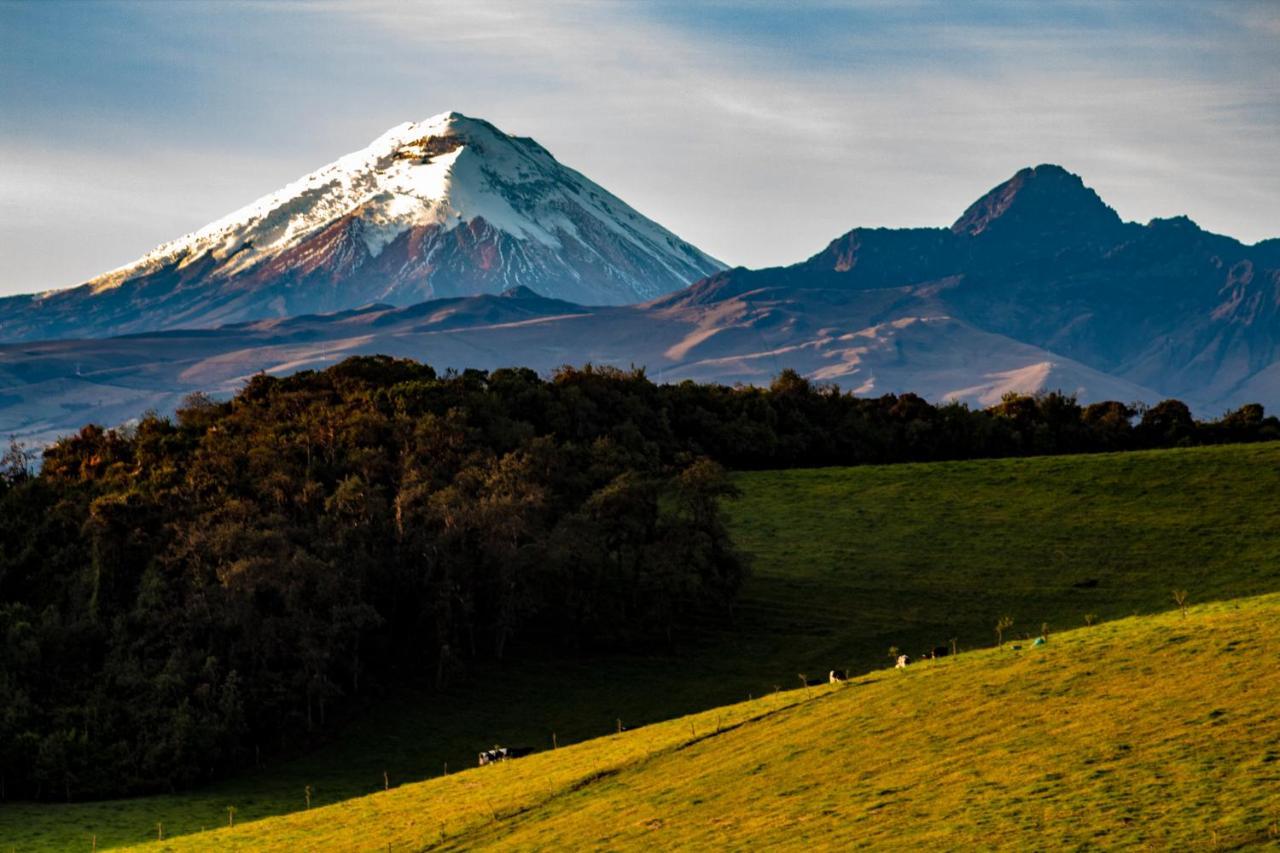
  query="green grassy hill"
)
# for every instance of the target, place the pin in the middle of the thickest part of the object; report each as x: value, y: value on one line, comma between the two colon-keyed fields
x: 854, y: 560
x: 1157, y: 730
x: 847, y: 563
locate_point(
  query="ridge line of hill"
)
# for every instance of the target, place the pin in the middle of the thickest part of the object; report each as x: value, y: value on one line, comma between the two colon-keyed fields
x: 511, y: 818
x: 509, y: 821
x: 1129, y: 646
x: 488, y: 812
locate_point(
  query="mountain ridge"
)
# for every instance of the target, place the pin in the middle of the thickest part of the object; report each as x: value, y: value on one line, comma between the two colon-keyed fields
x: 1165, y: 305
x: 1013, y: 297
x: 1038, y: 200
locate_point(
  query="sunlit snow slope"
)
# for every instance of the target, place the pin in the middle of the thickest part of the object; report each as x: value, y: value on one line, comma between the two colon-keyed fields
x: 445, y: 207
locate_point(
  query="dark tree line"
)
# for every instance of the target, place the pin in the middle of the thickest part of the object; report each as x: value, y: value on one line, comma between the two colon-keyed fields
x: 794, y: 423
x: 180, y: 595
x: 177, y: 597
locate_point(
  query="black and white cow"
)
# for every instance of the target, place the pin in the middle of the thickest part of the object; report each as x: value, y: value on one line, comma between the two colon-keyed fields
x: 504, y: 753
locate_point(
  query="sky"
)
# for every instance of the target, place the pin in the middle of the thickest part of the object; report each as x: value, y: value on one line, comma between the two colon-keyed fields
x: 758, y: 131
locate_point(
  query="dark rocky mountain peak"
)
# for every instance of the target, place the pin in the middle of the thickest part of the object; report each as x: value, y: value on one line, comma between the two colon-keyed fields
x: 1039, y: 205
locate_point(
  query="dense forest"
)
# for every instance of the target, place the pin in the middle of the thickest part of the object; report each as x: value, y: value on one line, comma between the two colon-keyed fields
x: 181, y: 595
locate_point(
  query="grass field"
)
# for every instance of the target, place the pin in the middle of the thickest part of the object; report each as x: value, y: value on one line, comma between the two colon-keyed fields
x: 1149, y: 731
x: 847, y: 563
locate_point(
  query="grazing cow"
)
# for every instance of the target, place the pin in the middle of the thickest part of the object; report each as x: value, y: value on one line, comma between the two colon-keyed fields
x: 903, y: 660
x: 504, y: 753
x: 836, y: 675
x: 814, y: 682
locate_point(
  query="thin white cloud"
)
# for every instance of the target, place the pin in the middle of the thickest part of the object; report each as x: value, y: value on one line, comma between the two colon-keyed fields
x: 904, y: 146
x: 756, y: 150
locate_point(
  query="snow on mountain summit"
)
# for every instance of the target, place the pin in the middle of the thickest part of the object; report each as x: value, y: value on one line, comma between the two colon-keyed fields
x: 444, y: 171
x: 443, y: 207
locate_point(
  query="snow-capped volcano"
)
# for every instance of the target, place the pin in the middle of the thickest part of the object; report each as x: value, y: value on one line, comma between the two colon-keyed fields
x: 444, y: 207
